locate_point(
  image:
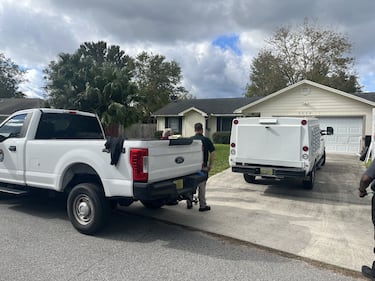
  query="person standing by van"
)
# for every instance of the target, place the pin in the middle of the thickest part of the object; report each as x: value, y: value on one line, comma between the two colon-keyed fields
x: 208, y: 162
x: 367, y: 179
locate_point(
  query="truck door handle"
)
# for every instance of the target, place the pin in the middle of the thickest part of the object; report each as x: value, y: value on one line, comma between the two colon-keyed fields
x: 12, y: 148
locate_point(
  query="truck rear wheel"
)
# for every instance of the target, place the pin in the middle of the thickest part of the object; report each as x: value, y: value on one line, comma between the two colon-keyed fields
x: 87, y: 208
x: 249, y: 178
x: 153, y: 204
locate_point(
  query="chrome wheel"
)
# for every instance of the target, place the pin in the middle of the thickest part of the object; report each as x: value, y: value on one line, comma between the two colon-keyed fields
x: 83, y: 209
x: 87, y: 207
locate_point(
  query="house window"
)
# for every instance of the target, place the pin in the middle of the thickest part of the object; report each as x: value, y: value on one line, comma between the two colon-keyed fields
x: 224, y: 124
x: 175, y: 123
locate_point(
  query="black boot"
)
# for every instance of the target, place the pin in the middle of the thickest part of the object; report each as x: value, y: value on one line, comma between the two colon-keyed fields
x: 189, y: 204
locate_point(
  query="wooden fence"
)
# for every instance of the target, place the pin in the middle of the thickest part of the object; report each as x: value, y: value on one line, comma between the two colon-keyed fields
x: 139, y: 131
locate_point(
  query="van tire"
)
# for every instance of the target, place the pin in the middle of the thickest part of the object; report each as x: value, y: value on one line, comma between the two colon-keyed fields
x: 87, y: 208
x: 310, y: 181
x: 323, y: 161
x: 249, y: 178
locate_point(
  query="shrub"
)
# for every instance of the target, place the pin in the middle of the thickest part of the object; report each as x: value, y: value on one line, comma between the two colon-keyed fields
x: 221, y: 137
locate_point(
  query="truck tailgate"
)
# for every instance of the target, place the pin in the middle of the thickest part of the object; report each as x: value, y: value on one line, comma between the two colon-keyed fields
x: 167, y: 160
x: 266, y: 146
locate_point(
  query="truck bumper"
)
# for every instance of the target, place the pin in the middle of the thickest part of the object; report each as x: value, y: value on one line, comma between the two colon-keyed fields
x: 276, y: 172
x: 171, y: 189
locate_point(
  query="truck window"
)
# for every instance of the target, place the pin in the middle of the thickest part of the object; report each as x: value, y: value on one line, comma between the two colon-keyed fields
x: 68, y: 126
x: 13, y: 126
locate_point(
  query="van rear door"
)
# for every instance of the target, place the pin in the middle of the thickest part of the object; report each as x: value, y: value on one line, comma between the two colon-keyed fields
x: 267, y: 142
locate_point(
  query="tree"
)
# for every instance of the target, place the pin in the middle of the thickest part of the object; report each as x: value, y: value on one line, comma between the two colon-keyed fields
x: 10, y: 77
x: 96, y: 78
x: 308, y: 52
x: 157, y: 81
x: 266, y: 76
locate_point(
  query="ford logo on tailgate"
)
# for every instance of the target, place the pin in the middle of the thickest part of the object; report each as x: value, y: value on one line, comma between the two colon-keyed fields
x: 179, y: 160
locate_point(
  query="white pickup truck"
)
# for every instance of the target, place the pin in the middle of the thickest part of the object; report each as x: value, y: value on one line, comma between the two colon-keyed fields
x: 66, y: 151
x: 277, y: 147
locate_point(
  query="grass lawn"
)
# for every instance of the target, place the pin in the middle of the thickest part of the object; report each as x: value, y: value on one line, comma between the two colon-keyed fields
x: 221, y: 158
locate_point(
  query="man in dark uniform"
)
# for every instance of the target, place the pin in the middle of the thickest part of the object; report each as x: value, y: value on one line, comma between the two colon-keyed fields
x: 208, y: 162
x: 366, y: 179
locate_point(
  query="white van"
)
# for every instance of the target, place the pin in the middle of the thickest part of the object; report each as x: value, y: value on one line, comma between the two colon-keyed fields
x: 277, y: 147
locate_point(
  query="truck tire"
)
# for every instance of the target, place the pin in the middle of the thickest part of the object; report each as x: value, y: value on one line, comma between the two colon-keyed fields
x: 249, y: 178
x: 153, y: 204
x: 87, y: 208
x: 310, y: 181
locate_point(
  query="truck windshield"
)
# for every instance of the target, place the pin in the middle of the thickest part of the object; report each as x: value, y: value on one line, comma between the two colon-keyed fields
x: 68, y: 126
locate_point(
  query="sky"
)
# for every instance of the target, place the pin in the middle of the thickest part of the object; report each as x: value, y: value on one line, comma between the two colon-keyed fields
x: 213, y: 41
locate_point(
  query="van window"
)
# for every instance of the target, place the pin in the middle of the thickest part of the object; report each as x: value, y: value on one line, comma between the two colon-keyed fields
x: 68, y: 126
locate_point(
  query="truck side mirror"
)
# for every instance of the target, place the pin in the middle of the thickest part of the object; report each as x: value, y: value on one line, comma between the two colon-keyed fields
x: 5, y: 136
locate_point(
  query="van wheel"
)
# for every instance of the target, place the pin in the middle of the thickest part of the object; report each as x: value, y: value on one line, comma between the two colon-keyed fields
x: 249, y: 178
x: 323, y: 159
x: 310, y: 181
x: 153, y: 204
x: 87, y: 208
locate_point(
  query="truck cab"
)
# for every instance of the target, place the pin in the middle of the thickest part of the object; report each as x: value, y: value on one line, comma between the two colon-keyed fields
x: 66, y: 151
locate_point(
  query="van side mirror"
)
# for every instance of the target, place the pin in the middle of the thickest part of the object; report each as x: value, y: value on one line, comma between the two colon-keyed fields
x: 328, y: 131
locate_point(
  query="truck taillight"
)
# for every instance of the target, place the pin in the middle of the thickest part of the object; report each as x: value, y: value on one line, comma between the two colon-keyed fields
x: 235, y: 121
x: 303, y: 122
x: 139, y: 163
x: 233, y: 145
x: 305, y: 148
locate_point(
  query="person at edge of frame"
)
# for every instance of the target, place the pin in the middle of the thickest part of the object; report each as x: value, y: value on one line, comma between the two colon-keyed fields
x: 366, y: 180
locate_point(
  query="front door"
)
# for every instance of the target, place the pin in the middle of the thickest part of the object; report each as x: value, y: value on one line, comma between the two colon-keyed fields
x: 12, y: 143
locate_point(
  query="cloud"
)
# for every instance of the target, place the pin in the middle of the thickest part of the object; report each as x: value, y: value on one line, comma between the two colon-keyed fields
x: 213, y: 41
x: 367, y: 77
x: 32, y: 87
x: 33, y: 37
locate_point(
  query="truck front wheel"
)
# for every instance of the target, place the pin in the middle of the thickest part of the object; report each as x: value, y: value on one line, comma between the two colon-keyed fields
x: 87, y: 208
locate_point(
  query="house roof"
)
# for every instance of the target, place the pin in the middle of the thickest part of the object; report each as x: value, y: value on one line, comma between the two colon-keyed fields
x: 368, y: 96
x: 11, y: 105
x: 220, y: 106
x: 235, y: 106
x: 365, y: 98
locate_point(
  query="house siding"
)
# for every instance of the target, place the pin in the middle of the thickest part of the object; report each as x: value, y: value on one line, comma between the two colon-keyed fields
x: 189, y: 119
x: 211, y: 127
x: 313, y: 101
x: 160, y: 121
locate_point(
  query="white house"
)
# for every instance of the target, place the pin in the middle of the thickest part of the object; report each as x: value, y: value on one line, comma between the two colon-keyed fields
x: 349, y: 114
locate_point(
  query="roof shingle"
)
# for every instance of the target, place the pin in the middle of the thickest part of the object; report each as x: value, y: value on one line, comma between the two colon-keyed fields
x: 209, y: 106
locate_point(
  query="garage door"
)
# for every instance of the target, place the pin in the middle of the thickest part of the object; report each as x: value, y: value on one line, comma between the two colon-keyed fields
x: 347, y: 134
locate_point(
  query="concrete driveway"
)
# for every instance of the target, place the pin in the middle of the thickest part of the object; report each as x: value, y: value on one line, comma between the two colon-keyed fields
x: 329, y: 224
